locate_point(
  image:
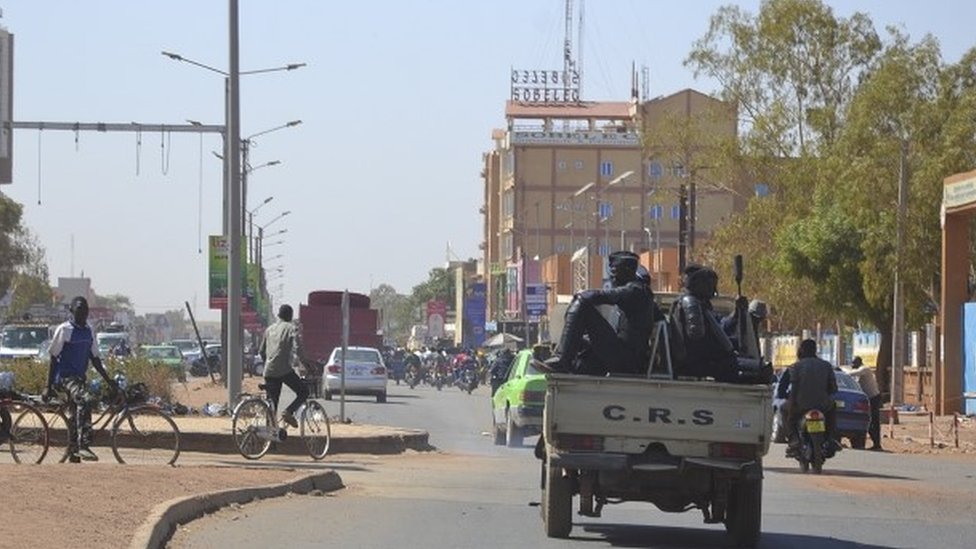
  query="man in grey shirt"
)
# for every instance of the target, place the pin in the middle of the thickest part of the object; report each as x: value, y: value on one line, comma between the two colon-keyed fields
x: 812, y: 385
x: 281, y: 339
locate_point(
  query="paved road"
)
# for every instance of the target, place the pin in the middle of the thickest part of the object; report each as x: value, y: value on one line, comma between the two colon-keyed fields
x: 474, y: 494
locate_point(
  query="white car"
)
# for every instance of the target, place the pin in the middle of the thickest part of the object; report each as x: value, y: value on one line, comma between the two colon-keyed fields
x: 365, y: 373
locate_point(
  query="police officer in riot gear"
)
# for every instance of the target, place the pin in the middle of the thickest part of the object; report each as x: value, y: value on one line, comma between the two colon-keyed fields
x: 590, y: 344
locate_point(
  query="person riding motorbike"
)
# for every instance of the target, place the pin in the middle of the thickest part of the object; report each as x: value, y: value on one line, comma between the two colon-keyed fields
x: 811, y: 384
x: 619, y: 349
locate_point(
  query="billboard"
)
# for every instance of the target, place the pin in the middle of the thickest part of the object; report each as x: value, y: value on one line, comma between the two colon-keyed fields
x: 474, y: 314
x: 436, y: 318
x: 535, y: 301
x: 218, y: 271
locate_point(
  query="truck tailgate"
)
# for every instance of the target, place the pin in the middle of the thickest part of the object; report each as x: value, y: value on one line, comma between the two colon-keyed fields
x: 633, y: 414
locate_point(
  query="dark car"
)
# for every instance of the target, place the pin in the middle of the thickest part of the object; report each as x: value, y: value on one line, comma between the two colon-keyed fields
x: 853, y: 412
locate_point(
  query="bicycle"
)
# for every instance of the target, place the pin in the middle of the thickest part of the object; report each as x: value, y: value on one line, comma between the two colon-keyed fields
x: 254, y: 429
x: 141, y: 432
x: 29, y: 433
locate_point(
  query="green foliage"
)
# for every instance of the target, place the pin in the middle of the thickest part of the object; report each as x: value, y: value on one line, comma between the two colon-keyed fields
x: 396, y: 310
x: 31, y: 375
x: 12, y: 252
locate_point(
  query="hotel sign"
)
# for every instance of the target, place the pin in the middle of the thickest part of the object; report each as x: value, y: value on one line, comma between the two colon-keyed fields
x: 579, y: 139
x: 535, y: 86
x: 959, y: 193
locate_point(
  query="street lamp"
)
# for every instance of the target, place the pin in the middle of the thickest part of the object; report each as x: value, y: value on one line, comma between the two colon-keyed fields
x: 282, y: 214
x: 233, y: 206
x: 269, y: 244
x: 586, y: 222
x: 617, y: 180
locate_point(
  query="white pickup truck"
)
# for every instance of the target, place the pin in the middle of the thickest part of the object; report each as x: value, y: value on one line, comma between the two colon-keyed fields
x: 678, y: 444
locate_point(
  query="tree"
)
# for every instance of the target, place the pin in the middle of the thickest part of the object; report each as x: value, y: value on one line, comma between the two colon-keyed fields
x: 395, y: 310
x: 791, y: 70
x: 438, y: 286
x: 12, y: 253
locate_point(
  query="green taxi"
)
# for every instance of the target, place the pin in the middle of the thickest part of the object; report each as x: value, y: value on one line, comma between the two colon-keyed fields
x: 517, y: 404
x: 169, y: 355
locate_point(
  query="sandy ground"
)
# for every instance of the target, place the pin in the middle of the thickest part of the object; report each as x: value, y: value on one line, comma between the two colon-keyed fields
x: 101, y: 505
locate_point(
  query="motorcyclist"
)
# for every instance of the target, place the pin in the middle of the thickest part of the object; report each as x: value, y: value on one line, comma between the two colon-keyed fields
x: 619, y: 349
x: 811, y: 384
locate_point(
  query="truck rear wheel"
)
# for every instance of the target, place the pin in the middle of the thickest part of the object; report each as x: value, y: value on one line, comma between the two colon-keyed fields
x: 743, y: 518
x: 557, y: 504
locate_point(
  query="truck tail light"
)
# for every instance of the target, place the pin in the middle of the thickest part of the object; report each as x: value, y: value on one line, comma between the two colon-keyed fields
x: 333, y: 368
x: 379, y: 371
x: 862, y: 406
x: 731, y: 450
x: 534, y: 397
x: 586, y: 443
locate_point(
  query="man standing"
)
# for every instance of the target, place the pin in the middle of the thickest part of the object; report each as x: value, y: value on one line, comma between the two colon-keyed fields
x: 620, y: 349
x: 72, y: 347
x: 812, y: 385
x: 281, y: 339
x: 869, y: 384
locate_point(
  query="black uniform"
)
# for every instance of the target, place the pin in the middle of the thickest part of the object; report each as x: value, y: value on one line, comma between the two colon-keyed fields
x: 619, y: 349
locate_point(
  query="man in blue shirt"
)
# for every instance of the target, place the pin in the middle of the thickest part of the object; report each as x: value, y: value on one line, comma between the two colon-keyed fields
x: 72, y: 347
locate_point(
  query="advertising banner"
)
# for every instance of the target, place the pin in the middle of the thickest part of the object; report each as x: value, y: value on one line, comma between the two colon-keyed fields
x: 436, y: 317
x: 474, y: 315
x: 535, y: 301
x: 218, y: 271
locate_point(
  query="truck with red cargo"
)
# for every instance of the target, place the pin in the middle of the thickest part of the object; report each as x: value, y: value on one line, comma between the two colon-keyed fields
x: 321, y: 323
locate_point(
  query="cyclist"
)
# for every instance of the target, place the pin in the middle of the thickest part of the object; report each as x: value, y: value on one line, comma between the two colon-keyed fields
x: 73, y: 346
x: 281, y: 339
x: 6, y: 388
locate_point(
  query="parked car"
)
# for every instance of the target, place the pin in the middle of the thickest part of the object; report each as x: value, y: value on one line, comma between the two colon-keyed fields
x: 201, y: 367
x: 169, y: 355
x: 853, y: 412
x: 189, y: 347
x: 365, y: 373
x: 518, y: 402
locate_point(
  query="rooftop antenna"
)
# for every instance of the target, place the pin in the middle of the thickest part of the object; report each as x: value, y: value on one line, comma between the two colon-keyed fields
x: 568, y: 63
x: 645, y: 91
x: 579, y: 53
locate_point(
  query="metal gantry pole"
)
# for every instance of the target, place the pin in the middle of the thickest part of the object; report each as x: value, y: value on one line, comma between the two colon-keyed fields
x: 234, y: 263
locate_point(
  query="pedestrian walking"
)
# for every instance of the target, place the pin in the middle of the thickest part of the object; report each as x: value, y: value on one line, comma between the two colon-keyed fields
x: 869, y: 384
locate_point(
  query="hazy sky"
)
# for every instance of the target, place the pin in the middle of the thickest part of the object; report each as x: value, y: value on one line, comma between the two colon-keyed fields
x: 398, y: 101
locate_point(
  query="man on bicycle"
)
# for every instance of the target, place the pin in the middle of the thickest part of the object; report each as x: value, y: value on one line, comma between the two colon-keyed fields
x: 73, y: 346
x: 281, y: 339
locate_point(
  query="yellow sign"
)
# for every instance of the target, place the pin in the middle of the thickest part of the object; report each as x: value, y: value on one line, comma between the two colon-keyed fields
x: 959, y: 193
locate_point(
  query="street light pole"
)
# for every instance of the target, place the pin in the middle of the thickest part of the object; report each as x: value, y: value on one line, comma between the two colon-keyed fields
x: 234, y: 333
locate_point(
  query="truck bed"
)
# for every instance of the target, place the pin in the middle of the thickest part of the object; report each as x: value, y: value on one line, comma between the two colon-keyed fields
x: 638, y: 416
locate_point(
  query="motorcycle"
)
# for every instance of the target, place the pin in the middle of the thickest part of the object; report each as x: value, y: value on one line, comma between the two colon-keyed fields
x: 815, y: 445
x: 468, y: 379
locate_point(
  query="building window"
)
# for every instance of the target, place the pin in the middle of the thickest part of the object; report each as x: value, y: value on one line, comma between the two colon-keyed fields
x: 561, y: 165
x: 604, y: 249
x: 677, y: 170
x: 606, y: 168
x: 762, y: 190
x: 654, y: 170
x: 509, y: 163
x: 605, y: 210
x: 656, y: 211
x: 560, y: 248
x: 508, y: 204
x: 578, y: 165
x: 675, y: 211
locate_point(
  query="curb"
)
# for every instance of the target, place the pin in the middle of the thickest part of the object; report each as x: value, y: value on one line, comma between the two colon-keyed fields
x: 376, y: 444
x: 223, y: 443
x: 156, y: 530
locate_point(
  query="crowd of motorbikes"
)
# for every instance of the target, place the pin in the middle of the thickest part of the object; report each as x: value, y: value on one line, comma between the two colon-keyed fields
x: 439, y: 368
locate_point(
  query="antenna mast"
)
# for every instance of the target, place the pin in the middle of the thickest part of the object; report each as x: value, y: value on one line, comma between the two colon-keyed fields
x: 579, y: 54
x: 568, y: 64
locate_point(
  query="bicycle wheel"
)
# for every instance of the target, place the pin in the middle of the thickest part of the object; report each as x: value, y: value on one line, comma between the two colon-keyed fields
x: 315, y: 429
x: 251, y: 426
x: 145, y: 436
x: 57, y: 424
x: 28, y: 434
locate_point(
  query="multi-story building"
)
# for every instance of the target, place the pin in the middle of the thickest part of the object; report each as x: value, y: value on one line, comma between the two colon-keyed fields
x: 589, y: 178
